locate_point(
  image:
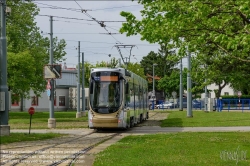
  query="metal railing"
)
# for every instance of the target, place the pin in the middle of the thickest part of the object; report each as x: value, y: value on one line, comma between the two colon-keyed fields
x: 233, y: 104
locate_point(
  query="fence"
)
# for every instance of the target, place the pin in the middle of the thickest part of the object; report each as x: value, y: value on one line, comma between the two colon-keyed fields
x: 233, y: 104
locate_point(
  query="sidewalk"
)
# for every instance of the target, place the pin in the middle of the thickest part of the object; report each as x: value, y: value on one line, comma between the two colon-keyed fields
x: 143, y: 129
x: 157, y: 129
x: 61, y: 131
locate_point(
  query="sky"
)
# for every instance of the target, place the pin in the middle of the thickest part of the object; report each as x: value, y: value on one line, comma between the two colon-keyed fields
x: 70, y: 24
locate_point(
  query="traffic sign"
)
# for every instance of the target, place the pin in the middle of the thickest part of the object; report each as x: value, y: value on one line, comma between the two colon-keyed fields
x: 52, y: 71
x: 31, y: 110
x: 174, y: 94
x: 48, y: 85
x: 48, y: 73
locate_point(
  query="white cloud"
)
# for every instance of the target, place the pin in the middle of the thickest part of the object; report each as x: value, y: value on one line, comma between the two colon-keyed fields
x: 94, y: 43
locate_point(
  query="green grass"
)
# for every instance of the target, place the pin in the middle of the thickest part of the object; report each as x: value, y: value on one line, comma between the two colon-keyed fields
x: 20, y: 137
x: 64, y: 120
x: 202, y: 119
x: 177, y: 149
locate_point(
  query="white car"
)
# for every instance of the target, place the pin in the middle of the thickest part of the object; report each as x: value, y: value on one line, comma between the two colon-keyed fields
x: 167, y: 104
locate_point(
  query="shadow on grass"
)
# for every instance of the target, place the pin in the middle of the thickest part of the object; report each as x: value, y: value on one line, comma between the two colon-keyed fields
x: 172, y: 122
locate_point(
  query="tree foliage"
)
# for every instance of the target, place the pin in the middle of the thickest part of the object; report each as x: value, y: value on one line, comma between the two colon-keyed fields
x: 27, y: 50
x: 214, y: 30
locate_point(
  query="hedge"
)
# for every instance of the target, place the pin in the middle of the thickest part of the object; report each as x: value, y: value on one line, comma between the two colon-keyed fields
x: 236, y: 97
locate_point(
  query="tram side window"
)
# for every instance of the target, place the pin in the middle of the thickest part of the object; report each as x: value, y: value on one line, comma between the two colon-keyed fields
x: 127, y: 95
x: 126, y: 88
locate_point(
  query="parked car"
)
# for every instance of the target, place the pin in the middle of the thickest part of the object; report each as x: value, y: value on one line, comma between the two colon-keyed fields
x: 195, y: 103
x: 166, y: 105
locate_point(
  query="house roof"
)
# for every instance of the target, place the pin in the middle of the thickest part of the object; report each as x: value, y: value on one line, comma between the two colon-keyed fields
x: 150, y: 78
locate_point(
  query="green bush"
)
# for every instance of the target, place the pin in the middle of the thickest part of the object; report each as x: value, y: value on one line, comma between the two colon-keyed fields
x: 235, y: 97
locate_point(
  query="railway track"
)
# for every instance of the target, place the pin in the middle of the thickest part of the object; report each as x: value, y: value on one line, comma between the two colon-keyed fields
x: 61, y: 151
x: 64, y: 150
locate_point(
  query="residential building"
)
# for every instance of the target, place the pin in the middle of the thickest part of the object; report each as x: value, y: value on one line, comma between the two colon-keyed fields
x: 64, y: 98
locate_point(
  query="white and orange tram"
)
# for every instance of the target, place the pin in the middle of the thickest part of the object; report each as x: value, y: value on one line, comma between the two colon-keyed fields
x: 117, y: 98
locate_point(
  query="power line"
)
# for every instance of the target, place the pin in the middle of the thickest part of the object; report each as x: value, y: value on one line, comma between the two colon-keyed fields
x: 65, y: 17
x: 74, y: 22
x: 72, y: 18
x: 113, y: 7
x: 83, y: 33
x: 88, y: 41
x: 70, y: 9
x: 101, y: 23
x: 74, y: 9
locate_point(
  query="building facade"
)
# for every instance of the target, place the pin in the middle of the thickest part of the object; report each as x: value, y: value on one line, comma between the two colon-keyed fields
x: 227, y: 90
x: 65, y: 97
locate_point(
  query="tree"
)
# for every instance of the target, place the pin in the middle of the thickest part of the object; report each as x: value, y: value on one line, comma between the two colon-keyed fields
x: 195, y: 23
x: 137, y: 69
x: 27, y: 50
x: 171, y: 83
x: 165, y: 63
x: 87, y: 69
x: 218, y: 27
x: 21, y: 67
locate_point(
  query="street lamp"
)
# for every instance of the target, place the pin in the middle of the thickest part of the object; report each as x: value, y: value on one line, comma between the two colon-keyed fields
x: 153, y: 85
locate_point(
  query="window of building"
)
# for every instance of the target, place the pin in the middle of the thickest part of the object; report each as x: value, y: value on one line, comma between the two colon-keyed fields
x: 226, y: 93
x: 14, y: 100
x: 34, y: 101
x: 61, y: 100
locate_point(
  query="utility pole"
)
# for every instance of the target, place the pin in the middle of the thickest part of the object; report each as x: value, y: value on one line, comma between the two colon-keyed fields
x: 206, y: 96
x: 154, y: 98
x: 181, y: 89
x: 189, y: 88
x: 78, y: 114
x: 83, y: 87
x: 51, y: 120
x: 4, y: 94
x: 120, y: 62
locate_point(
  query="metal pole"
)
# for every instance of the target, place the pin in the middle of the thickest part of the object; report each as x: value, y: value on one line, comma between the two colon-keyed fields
x: 4, y: 101
x: 120, y: 62
x: 153, y: 87
x: 181, y: 89
x: 83, y: 86
x: 206, y: 96
x: 30, y: 122
x: 189, y: 87
x: 51, y: 120
x: 78, y: 114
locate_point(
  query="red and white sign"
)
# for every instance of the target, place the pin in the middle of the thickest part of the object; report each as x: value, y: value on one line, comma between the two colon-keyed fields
x: 31, y: 110
x: 48, y: 85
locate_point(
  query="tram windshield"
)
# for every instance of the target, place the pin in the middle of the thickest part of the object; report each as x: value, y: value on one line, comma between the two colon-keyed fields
x: 105, y: 94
